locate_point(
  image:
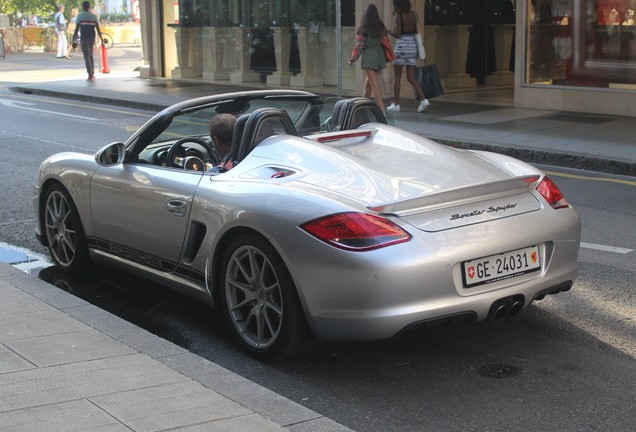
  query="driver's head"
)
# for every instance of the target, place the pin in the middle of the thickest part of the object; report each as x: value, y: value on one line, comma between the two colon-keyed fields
x: 221, y: 129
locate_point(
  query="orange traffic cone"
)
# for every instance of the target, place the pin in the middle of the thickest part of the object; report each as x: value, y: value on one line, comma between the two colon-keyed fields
x: 105, y: 68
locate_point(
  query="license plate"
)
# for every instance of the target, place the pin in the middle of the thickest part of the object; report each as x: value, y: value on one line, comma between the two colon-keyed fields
x: 502, y: 266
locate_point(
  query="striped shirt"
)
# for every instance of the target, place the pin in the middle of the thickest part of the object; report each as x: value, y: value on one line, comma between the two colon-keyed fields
x: 87, y: 23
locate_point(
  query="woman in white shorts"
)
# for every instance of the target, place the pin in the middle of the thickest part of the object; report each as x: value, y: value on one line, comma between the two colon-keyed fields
x: 405, y: 53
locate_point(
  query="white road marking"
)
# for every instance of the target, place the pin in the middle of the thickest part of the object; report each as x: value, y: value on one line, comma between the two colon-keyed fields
x: 25, y: 106
x: 606, y: 248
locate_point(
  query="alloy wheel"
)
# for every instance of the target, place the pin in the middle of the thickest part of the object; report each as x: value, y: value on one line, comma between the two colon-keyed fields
x: 254, y: 298
x: 60, y: 228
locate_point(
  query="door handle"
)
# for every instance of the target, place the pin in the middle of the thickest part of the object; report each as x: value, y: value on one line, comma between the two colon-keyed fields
x: 176, y: 207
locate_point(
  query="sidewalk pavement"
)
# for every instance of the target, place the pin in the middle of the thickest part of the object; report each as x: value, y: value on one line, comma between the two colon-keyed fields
x: 68, y: 365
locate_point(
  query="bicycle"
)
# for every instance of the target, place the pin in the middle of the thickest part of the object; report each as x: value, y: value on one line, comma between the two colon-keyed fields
x: 15, y: 41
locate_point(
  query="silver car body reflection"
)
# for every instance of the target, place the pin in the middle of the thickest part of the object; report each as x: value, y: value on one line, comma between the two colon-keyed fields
x: 173, y: 225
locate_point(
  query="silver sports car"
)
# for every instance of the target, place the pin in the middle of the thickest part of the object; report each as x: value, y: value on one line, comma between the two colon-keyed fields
x: 332, y: 226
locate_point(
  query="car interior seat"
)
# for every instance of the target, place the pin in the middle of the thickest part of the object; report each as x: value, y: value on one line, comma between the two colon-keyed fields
x: 237, y: 135
x: 261, y: 124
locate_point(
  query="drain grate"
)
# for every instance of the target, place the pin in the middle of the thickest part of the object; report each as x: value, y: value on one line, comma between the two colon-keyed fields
x: 577, y: 118
x: 499, y: 370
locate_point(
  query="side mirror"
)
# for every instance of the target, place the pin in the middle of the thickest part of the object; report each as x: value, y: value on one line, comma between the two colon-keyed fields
x: 112, y: 154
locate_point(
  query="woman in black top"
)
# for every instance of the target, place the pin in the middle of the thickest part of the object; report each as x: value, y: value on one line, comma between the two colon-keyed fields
x: 406, y: 27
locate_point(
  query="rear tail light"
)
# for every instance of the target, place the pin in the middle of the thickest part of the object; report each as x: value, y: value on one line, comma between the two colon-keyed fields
x: 552, y: 194
x: 356, y: 231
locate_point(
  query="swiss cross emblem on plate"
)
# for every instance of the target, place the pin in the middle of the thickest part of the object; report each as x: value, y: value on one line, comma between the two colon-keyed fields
x: 471, y: 272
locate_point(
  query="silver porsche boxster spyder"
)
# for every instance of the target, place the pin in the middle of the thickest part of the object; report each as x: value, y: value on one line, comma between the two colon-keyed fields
x: 332, y: 226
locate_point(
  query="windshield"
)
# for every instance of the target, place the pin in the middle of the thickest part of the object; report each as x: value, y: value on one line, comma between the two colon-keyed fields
x: 307, y: 116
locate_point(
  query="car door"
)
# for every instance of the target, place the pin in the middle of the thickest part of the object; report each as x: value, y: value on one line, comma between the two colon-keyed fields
x: 140, y: 212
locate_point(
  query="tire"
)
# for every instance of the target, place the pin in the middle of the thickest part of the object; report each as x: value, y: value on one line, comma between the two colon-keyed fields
x: 64, y: 232
x: 260, y: 302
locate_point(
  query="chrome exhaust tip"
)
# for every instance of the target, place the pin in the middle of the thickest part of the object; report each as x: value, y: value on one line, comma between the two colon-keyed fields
x: 500, y: 312
x: 515, y: 308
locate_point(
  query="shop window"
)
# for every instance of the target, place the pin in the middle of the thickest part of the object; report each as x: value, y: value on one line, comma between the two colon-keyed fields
x: 586, y: 43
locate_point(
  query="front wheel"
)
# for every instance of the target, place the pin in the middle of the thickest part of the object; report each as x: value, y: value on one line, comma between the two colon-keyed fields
x: 260, y: 302
x: 64, y: 232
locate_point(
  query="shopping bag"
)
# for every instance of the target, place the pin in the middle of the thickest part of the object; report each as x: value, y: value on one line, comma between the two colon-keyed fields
x: 389, y: 55
x: 421, y: 51
x: 428, y: 77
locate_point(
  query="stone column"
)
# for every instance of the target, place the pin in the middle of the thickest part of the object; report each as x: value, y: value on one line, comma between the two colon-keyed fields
x: 282, y: 45
x: 311, y: 54
x: 243, y: 44
x: 146, y: 25
x: 503, y: 48
x: 430, y: 36
x: 218, y: 48
x: 458, y: 51
x: 187, y: 53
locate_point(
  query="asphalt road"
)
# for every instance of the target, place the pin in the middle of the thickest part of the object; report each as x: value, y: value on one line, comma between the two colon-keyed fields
x: 566, y: 363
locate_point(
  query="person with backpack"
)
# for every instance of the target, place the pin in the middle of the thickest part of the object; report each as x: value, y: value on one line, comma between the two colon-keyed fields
x: 60, y: 31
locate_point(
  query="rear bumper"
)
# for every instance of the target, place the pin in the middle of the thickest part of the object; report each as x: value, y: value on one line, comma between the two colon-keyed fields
x: 379, y: 294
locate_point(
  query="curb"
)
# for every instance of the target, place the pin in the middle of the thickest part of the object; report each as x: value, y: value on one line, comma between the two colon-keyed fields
x: 89, y: 98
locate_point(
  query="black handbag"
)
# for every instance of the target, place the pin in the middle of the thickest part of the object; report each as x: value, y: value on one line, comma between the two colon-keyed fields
x: 428, y: 77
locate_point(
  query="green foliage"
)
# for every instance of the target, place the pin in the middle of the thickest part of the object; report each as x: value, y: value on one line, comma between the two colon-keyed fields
x: 42, y: 8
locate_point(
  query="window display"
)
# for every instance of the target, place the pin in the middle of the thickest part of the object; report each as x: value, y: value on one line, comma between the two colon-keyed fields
x: 587, y: 43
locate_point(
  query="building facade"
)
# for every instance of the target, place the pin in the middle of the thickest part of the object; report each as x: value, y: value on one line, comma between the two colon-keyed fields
x: 574, y: 55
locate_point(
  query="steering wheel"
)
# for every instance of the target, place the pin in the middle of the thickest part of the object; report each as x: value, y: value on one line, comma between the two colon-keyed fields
x: 214, y: 158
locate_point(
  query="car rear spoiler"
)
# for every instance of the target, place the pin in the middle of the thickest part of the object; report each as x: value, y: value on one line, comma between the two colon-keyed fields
x: 457, y: 196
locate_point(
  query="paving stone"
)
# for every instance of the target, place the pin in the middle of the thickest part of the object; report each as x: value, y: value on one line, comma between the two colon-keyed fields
x: 11, y: 362
x: 69, y: 348
x: 169, y: 406
x: 62, y: 417
x: 125, y: 332
x: 44, y: 291
x: 17, y: 302
x: 37, y: 323
x: 235, y: 387
x: 82, y: 380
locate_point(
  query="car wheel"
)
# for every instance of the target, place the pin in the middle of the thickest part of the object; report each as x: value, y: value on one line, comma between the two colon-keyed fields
x: 260, y: 301
x: 64, y: 232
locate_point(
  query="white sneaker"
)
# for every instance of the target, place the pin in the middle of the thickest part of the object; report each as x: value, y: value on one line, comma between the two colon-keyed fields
x: 423, y: 105
x: 393, y: 107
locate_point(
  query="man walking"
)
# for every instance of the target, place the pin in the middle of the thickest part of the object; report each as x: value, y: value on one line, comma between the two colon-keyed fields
x: 60, y: 30
x: 86, y: 24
